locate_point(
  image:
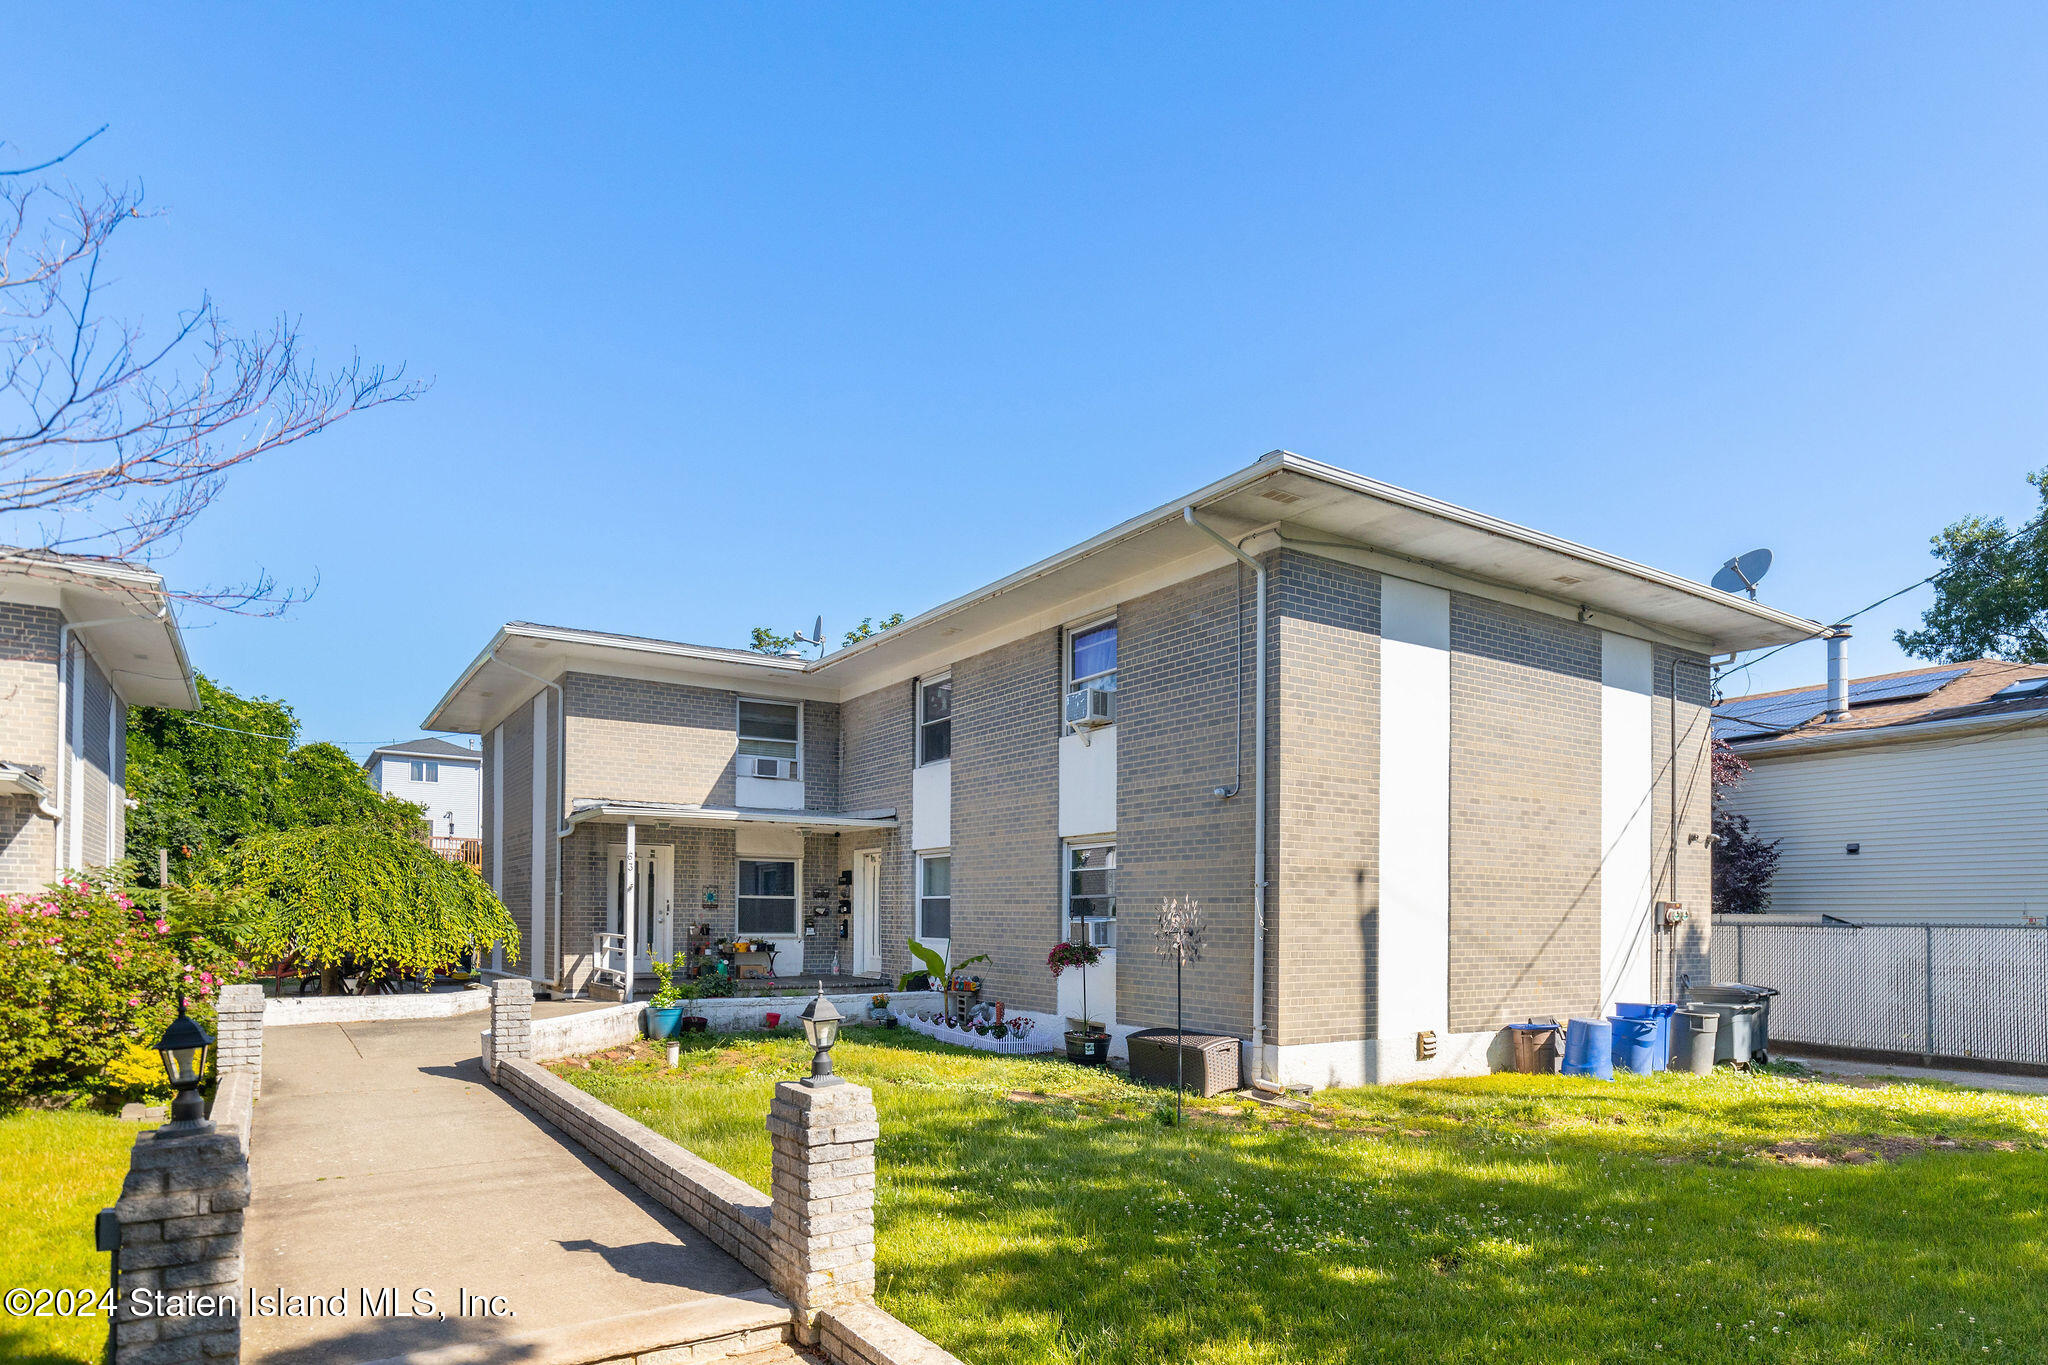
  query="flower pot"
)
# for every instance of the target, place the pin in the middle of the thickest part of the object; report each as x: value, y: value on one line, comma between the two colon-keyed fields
x: 877, y: 1015
x: 662, y: 1020
x: 774, y: 1020
x: 1088, y: 1049
x: 695, y: 1023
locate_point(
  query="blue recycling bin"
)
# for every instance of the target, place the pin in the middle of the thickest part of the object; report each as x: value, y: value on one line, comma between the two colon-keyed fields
x: 1662, y: 1015
x: 1633, y: 1044
x: 1589, y: 1049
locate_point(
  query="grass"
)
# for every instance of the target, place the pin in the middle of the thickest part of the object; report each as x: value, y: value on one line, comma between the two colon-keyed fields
x: 62, y: 1169
x: 1028, y: 1210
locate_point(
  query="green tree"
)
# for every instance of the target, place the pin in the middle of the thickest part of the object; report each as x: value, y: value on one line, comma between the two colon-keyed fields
x: 869, y: 626
x: 344, y: 895
x: 767, y: 641
x: 1991, y: 596
x: 204, y: 780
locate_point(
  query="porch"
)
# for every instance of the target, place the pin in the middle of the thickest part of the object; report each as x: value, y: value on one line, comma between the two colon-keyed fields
x: 646, y: 984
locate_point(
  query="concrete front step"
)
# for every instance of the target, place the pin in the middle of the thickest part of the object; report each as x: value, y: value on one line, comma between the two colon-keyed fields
x: 735, y: 1328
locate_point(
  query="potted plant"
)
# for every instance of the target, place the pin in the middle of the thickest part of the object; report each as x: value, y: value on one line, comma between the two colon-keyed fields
x: 878, y: 1008
x: 688, y: 992
x: 665, y: 1007
x: 1087, y: 1041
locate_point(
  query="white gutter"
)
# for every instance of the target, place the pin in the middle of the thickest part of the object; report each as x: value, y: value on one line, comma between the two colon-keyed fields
x: 1258, y: 797
x: 562, y: 828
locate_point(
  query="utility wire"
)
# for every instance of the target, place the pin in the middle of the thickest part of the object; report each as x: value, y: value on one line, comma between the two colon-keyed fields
x: 2007, y: 539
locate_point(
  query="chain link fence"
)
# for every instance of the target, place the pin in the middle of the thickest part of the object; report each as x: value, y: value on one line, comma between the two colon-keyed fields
x: 1928, y: 990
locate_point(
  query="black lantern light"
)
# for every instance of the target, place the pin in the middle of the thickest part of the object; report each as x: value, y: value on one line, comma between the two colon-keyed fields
x: 183, y: 1048
x: 821, y: 1029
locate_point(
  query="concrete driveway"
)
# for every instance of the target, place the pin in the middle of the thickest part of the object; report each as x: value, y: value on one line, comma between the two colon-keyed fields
x: 383, y: 1159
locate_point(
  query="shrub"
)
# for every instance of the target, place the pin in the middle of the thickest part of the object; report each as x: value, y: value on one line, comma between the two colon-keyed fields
x: 88, y: 980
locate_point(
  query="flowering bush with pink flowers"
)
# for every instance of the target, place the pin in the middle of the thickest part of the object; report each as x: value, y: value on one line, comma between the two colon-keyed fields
x: 86, y: 975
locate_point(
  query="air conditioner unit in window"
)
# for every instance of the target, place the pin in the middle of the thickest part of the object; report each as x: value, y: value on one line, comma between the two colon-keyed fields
x: 1091, y: 708
x: 767, y: 767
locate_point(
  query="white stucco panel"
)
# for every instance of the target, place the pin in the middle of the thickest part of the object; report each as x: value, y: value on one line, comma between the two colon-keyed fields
x: 1088, y: 784
x: 1626, y: 773
x: 931, y: 806
x: 1415, y: 809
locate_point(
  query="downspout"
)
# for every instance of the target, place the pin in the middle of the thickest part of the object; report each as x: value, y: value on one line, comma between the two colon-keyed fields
x: 563, y: 829
x: 1259, y: 1069
x: 44, y: 808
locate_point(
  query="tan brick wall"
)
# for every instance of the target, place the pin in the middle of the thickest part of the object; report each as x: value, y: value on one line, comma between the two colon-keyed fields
x: 1176, y: 709
x: 1683, y: 779
x: 874, y: 774
x: 1006, y: 845
x: 1525, y: 815
x: 518, y: 850
x: 649, y: 741
x: 1323, y: 910
x: 28, y: 735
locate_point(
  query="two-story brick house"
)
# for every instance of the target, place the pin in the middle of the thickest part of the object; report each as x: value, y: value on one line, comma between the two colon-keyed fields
x: 81, y: 640
x: 1481, y: 767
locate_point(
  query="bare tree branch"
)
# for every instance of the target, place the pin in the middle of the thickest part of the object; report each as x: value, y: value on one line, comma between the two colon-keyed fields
x: 112, y: 445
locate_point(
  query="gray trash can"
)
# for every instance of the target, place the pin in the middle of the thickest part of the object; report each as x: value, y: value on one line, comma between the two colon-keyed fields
x: 1739, y: 993
x: 1693, y: 1048
x: 1732, y: 1036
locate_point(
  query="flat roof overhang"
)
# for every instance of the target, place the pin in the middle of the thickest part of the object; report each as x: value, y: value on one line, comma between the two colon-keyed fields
x: 586, y: 811
x: 122, y: 615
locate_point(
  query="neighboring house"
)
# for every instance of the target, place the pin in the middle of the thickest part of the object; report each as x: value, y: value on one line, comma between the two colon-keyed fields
x: 1477, y: 779
x: 81, y: 640
x: 1923, y: 799
x: 441, y: 778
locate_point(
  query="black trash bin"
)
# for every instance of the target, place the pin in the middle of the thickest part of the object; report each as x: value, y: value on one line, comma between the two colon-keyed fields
x: 1740, y: 993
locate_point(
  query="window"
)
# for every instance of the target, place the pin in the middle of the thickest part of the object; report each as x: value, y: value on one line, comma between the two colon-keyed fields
x: 1091, y: 893
x: 767, y: 899
x: 935, y: 720
x: 771, y: 729
x: 1091, y: 657
x: 934, y: 895
x: 426, y: 772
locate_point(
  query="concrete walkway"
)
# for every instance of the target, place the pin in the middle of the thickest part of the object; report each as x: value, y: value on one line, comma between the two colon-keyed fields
x: 383, y: 1159
x: 1979, y: 1080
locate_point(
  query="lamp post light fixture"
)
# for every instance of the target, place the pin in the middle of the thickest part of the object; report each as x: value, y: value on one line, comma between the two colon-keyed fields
x: 183, y: 1048
x: 821, y: 1030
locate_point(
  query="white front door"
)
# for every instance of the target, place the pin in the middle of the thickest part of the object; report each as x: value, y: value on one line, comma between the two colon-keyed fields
x: 865, y: 933
x: 655, y: 888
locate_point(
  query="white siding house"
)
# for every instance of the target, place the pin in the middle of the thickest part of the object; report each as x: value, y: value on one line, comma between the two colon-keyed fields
x: 1930, y: 807
x: 445, y: 779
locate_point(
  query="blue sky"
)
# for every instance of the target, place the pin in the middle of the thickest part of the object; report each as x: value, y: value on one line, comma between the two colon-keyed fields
x: 741, y: 314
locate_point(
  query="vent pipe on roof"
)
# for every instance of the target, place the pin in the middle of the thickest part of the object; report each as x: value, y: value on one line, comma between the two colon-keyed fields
x: 1838, y: 673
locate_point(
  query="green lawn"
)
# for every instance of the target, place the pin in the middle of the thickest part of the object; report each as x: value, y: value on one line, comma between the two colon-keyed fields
x: 1031, y: 1211
x: 60, y: 1170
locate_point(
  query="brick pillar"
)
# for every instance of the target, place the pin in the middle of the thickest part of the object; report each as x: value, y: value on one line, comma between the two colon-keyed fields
x: 821, y: 1225
x: 238, y: 1034
x: 181, y: 1234
x: 511, y: 1020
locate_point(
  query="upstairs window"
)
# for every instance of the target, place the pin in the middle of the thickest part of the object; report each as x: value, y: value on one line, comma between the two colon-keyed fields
x: 1091, y: 657
x: 935, y: 720
x: 771, y: 730
x: 426, y: 772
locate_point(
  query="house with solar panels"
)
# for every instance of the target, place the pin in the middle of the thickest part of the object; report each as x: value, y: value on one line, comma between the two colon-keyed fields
x: 1908, y: 797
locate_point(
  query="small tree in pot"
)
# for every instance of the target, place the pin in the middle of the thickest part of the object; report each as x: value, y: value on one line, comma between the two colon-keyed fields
x: 1087, y: 1041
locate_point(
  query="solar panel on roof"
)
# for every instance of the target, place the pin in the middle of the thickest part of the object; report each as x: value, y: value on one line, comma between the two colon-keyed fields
x: 1902, y: 689
x: 2028, y: 688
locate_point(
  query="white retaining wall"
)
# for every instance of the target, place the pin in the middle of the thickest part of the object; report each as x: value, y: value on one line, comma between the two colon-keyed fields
x: 371, y: 1009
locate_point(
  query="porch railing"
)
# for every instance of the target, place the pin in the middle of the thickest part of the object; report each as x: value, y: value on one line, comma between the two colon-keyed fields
x: 608, y: 951
x: 469, y: 852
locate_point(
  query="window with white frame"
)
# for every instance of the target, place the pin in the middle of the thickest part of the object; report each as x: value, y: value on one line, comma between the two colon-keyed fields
x: 934, y: 895
x: 1091, y: 657
x: 1091, y: 894
x: 426, y: 772
x: 771, y: 732
x: 767, y: 898
x: 934, y: 720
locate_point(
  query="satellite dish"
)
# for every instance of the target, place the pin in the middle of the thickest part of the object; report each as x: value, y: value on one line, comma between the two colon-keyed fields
x: 1744, y: 572
x: 816, y: 637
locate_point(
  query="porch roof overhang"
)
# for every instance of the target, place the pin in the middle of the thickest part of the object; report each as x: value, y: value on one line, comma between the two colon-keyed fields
x: 599, y: 810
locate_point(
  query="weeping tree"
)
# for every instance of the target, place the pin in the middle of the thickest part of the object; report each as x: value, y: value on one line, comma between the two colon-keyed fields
x: 362, y: 898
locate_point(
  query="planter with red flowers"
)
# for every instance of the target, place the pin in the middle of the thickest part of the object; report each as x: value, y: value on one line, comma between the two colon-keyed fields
x: 1087, y: 1040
